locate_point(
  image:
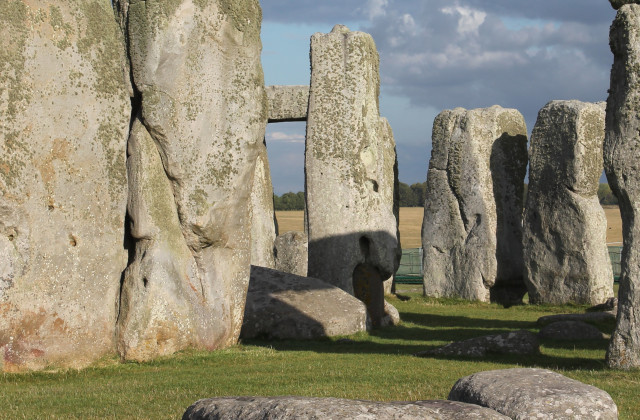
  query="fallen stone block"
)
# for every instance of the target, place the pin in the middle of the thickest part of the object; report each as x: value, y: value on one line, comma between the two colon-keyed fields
x: 285, y: 408
x: 588, y: 317
x: 534, y: 393
x: 286, y: 306
x: 515, y: 342
x: 292, y: 250
x: 570, y: 330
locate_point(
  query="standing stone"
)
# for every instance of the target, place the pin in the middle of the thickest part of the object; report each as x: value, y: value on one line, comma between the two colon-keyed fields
x: 472, y: 230
x: 565, y: 252
x: 622, y: 165
x: 350, y: 170
x: 292, y: 253
x: 193, y: 149
x: 64, y: 116
x: 263, y: 218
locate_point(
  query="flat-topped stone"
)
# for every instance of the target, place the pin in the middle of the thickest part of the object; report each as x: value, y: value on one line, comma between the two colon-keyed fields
x: 288, y: 103
x: 570, y: 330
x: 616, y: 4
x: 285, y: 306
x: 514, y: 342
x: 293, y: 408
x: 534, y: 393
x: 586, y: 317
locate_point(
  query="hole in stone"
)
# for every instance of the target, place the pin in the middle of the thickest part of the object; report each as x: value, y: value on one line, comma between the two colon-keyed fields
x: 51, y: 205
x: 145, y: 282
x: 372, y: 185
x: 73, y: 241
x: 11, y: 237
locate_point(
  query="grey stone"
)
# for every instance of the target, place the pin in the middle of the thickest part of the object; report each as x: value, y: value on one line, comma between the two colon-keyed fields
x: 285, y: 306
x: 351, y: 173
x: 588, y: 317
x: 472, y: 230
x: 621, y: 157
x: 288, y: 103
x: 616, y: 4
x: 610, y: 305
x: 292, y: 251
x: 64, y: 118
x: 565, y: 252
x: 534, y: 393
x: 514, y: 342
x: 282, y: 408
x: 193, y: 150
x: 263, y: 217
x: 570, y: 330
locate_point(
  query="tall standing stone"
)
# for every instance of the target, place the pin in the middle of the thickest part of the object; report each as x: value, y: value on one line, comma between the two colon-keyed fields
x: 64, y: 116
x: 472, y: 229
x: 565, y: 251
x: 350, y: 170
x: 621, y: 163
x: 193, y: 147
x: 263, y: 218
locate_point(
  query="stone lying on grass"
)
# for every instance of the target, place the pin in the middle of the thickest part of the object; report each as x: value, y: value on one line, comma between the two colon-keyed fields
x: 534, y: 393
x: 280, y: 408
x: 285, y: 306
x: 570, y: 330
x: 515, y: 342
x: 610, y: 305
x: 292, y: 250
x: 588, y: 317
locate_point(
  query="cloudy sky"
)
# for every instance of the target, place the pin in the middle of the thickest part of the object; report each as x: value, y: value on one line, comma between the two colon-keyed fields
x: 441, y: 54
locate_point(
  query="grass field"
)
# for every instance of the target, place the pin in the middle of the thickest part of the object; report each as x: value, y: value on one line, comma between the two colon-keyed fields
x: 376, y: 366
x: 411, y: 224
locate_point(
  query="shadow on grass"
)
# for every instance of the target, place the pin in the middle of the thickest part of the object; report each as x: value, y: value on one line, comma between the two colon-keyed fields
x: 421, y: 332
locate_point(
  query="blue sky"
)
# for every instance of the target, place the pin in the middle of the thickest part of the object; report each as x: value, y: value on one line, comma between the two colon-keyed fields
x: 441, y: 54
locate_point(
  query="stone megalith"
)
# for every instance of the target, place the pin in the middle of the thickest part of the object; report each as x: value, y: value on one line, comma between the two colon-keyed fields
x: 192, y: 154
x: 350, y: 168
x: 264, y: 228
x: 564, y: 239
x: 472, y: 228
x: 64, y: 117
x: 292, y: 253
x: 621, y: 157
x: 288, y: 103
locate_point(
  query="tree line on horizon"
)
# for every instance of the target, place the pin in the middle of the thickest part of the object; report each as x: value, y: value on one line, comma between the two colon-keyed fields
x: 413, y: 196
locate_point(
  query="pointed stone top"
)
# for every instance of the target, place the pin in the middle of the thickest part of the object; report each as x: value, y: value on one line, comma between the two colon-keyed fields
x: 341, y: 29
x: 616, y: 4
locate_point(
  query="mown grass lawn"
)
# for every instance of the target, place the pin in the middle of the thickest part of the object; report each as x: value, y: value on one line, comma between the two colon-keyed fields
x: 376, y: 366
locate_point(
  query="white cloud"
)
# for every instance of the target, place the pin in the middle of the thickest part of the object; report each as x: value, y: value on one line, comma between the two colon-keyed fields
x: 280, y: 136
x: 376, y: 8
x: 469, y: 20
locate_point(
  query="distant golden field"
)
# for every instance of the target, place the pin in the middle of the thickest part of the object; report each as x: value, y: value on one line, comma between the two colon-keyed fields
x: 411, y: 224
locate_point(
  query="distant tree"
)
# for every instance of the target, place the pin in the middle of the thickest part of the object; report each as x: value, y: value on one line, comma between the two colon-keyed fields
x: 419, y: 193
x: 606, y: 196
x: 289, y: 201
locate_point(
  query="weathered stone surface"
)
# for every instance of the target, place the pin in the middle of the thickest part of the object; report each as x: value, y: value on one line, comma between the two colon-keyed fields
x: 588, y: 317
x: 616, y: 4
x: 472, y: 231
x: 515, y: 342
x: 283, y: 305
x: 564, y: 239
x: 292, y: 251
x: 64, y: 117
x: 281, y: 408
x: 570, y: 330
x: 621, y: 158
x: 534, y: 393
x: 288, y: 103
x: 263, y: 217
x: 193, y: 147
x: 351, y: 173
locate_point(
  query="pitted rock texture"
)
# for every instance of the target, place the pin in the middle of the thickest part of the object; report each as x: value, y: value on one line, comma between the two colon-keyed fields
x: 64, y: 118
x: 285, y: 408
x: 472, y: 228
x: 570, y: 330
x: 621, y: 157
x: 288, y: 103
x: 565, y: 252
x: 193, y: 149
x: 351, y: 170
x: 515, y: 342
x: 292, y: 251
x: 264, y: 228
x: 534, y: 393
x: 616, y: 4
x: 285, y: 306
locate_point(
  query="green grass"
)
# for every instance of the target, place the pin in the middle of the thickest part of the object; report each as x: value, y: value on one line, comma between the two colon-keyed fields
x: 376, y: 366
